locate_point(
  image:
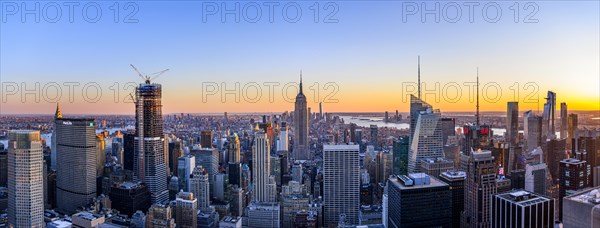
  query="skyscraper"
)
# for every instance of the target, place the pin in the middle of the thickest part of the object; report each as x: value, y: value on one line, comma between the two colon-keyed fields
x: 512, y: 123
x: 234, y: 165
x: 572, y: 131
x: 25, y: 179
x: 185, y: 167
x: 208, y: 158
x: 261, y: 161
x: 480, y: 185
x: 520, y: 208
x: 427, y: 139
x: 548, y: 127
x: 341, y: 183
x: 57, y: 115
x: 301, y: 148
x: 282, y: 143
x: 374, y: 135
x: 532, y: 130
x: 206, y: 139
x: 573, y: 177
x: 200, y: 187
x: 456, y: 182
x: 76, y: 168
x: 186, y: 214
x: 563, y: 120
x: 417, y: 200
x: 400, y: 154
x: 149, y: 161
x: 175, y: 151
x: 582, y: 209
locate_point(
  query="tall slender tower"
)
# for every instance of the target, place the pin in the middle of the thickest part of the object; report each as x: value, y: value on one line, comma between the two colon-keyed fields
x: 563, y: 120
x: 261, y: 162
x: 341, y: 184
x: 419, y: 76
x: 76, y: 166
x: 512, y: 122
x: 25, y: 179
x: 480, y: 185
x: 301, y: 146
x: 150, y: 165
x: 57, y: 115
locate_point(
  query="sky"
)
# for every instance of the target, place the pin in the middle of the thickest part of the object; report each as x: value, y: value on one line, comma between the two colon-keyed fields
x: 355, y: 56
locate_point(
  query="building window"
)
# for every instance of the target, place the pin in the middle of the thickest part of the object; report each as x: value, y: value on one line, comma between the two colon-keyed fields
x: 567, y: 173
x: 566, y: 183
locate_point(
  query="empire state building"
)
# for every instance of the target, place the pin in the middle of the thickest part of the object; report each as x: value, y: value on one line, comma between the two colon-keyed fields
x: 301, y: 149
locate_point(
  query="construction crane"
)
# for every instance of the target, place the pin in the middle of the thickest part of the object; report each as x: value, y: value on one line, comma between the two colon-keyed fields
x: 148, y: 77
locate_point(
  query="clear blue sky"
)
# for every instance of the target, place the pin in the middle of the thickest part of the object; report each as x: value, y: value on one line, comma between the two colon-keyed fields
x: 369, y: 52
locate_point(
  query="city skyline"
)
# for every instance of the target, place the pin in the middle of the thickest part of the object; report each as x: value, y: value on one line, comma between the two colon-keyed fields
x: 559, y: 52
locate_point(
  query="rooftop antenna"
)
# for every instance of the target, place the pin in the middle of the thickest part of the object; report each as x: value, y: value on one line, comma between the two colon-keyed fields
x: 419, y: 76
x: 148, y: 77
x: 477, y: 114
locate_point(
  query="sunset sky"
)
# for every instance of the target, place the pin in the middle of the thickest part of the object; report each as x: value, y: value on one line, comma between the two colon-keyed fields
x: 367, y: 57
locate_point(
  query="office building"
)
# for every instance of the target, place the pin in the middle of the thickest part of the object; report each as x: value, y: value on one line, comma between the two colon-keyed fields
x: 572, y: 133
x: 87, y: 220
x: 517, y: 178
x: 76, y: 168
x: 25, y: 179
x: 54, y: 149
x: 206, y: 139
x: 186, y: 210
x: 520, y: 208
x: 208, y: 158
x: 149, y: 163
x: 448, y: 129
x: 479, y: 186
x: 301, y: 150
x: 261, y: 167
x: 264, y: 215
x: 374, y: 135
x: 573, y: 177
x: 129, y: 197
x: 417, y: 200
x: 185, y: 167
x: 434, y: 167
x: 160, y: 216
x: 563, y: 120
x: 341, y: 183
x: 555, y: 152
x: 3, y: 167
x: 456, y: 183
x: 128, y: 150
x: 548, y: 127
x: 100, y: 154
x: 427, y: 139
x: 512, y: 123
x: 400, y: 154
x: 200, y: 187
x: 282, y: 140
x: 535, y: 178
x: 208, y: 218
x: 175, y: 151
x: 582, y: 208
x: 231, y: 222
x: 532, y: 130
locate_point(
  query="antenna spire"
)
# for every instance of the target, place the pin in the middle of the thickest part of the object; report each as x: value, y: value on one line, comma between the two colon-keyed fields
x: 300, y: 81
x: 477, y: 114
x: 419, y: 76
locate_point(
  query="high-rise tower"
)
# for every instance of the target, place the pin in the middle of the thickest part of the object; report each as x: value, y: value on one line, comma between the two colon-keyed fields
x: 76, y: 163
x: 549, y: 130
x: 25, y: 179
x: 301, y: 144
x: 480, y: 185
x: 261, y: 161
x: 341, y: 184
x: 149, y: 160
x: 512, y: 122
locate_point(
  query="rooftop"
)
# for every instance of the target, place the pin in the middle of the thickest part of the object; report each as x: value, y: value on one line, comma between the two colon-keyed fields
x: 522, y: 197
x: 410, y: 181
x: 588, y: 196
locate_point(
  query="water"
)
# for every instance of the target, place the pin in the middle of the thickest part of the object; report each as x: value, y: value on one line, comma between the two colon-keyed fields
x: 362, y: 121
x: 368, y: 121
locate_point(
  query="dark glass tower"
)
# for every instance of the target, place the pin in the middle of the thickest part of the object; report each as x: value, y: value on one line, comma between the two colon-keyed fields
x: 149, y: 161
